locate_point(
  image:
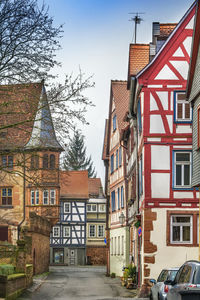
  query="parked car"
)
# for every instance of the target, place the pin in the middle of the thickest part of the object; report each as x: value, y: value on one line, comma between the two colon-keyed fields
x: 186, y: 285
x: 159, y: 290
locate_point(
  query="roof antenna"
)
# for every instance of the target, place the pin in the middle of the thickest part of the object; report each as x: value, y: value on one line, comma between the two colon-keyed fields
x: 137, y: 19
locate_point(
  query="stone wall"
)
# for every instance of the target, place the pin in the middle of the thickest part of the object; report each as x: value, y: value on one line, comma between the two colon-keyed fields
x: 96, y: 255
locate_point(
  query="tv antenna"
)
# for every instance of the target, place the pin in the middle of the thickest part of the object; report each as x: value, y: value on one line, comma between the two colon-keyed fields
x: 137, y: 20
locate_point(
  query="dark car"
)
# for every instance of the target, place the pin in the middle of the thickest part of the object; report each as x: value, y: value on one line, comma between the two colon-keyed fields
x: 159, y: 290
x: 186, y: 285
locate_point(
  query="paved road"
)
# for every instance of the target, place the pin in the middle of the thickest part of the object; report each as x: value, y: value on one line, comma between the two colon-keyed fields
x: 77, y: 283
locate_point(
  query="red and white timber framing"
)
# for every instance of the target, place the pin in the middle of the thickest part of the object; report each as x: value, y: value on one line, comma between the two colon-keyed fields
x: 161, y: 134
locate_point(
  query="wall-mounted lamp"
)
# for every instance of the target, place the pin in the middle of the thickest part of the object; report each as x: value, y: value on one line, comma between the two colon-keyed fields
x: 122, y: 218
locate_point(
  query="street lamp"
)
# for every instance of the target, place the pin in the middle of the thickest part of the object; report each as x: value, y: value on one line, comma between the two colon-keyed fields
x: 122, y: 218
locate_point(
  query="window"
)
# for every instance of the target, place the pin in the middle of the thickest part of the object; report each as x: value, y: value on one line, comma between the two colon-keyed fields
x: 66, y: 231
x: 113, y: 201
x: 120, y: 156
x: 66, y: 207
x: 52, y: 197
x: 115, y: 245
x: 185, y: 274
x: 37, y: 197
x: 92, y: 231
x: 7, y: 161
x: 3, y: 233
x: 91, y: 207
x: 118, y: 195
x: 6, y: 196
x: 117, y: 159
x: 122, y: 245
x: 52, y: 161
x: 56, y: 231
x: 122, y: 197
x: 45, y: 161
x: 34, y: 162
x: 181, y: 229
x: 139, y: 117
x: 118, y: 245
x: 102, y: 208
x: 114, y: 123
x: 112, y: 164
x: 183, y: 111
x: 140, y: 177
x: 45, y: 197
x: 182, y: 169
x: 34, y: 197
x: 100, y: 231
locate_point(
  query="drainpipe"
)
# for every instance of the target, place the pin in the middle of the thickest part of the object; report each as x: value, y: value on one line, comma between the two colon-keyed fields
x: 24, y: 197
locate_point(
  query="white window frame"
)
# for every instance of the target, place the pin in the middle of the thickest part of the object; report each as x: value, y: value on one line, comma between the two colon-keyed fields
x: 183, y: 102
x: 52, y: 198
x: 102, y: 208
x: 182, y: 163
x: 92, y: 226
x: 37, y: 197
x: 64, y: 232
x: 103, y: 231
x: 32, y: 197
x: 65, y: 205
x: 181, y: 229
x: 46, y: 198
x: 56, y: 228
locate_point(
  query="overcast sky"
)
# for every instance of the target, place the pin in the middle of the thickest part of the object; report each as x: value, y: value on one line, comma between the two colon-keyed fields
x: 96, y: 37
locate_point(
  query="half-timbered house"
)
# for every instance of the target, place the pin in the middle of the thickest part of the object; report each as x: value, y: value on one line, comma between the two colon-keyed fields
x: 68, y: 237
x: 167, y: 202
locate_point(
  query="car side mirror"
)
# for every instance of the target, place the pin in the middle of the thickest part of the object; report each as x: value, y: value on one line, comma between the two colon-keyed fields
x: 153, y: 281
x: 169, y: 282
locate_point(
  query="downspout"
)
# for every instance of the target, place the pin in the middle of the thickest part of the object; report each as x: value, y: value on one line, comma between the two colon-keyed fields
x: 24, y: 197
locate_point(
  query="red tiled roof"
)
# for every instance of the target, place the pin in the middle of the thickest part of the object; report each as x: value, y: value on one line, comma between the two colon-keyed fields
x: 138, y: 58
x: 166, y: 29
x: 105, y: 142
x: 18, y: 104
x: 93, y: 185
x: 74, y: 184
x: 121, y: 98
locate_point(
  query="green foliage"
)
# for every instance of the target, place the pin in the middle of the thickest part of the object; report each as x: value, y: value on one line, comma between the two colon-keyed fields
x: 130, y: 272
x: 75, y: 156
x: 137, y: 224
x: 113, y: 275
x: 6, y: 269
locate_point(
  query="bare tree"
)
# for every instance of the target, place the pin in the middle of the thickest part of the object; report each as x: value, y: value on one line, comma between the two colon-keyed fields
x: 28, y: 41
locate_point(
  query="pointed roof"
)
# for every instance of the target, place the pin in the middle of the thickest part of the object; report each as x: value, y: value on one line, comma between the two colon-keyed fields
x: 74, y: 184
x: 43, y: 133
x: 18, y: 106
x: 121, y: 98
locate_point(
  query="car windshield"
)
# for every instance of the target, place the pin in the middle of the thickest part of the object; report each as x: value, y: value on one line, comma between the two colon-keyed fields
x: 163, y: 276
x: 196, y: 279
x: 172, y: 275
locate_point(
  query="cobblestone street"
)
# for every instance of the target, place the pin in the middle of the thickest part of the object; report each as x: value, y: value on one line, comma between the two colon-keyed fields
x: 65, y: 283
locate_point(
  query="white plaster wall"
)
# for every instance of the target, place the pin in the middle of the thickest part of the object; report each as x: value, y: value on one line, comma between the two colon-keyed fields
x: 166, y: 73
x: 117, y: 262
x: 182, y: 67
x: 114, y: 139
x: 187, y: 44
x: 182, y: 195
x: 190, y: 25
x: 156, y: 124
x: 160, y: 185
x: 160, y: 157
x: 163, y: 96
x: 167, y: 256
x: 183, y: 129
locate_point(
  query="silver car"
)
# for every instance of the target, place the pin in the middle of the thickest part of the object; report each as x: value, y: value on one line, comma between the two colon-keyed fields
x: 186, y: 285
x: 159, y: 290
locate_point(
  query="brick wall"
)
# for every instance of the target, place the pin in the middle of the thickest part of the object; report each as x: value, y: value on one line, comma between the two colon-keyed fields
x: 96, y: 254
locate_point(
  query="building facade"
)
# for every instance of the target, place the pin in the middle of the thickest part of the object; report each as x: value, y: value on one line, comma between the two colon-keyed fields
x: 96, y: 223
x: 68, y: 236
x: 164, y: 152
